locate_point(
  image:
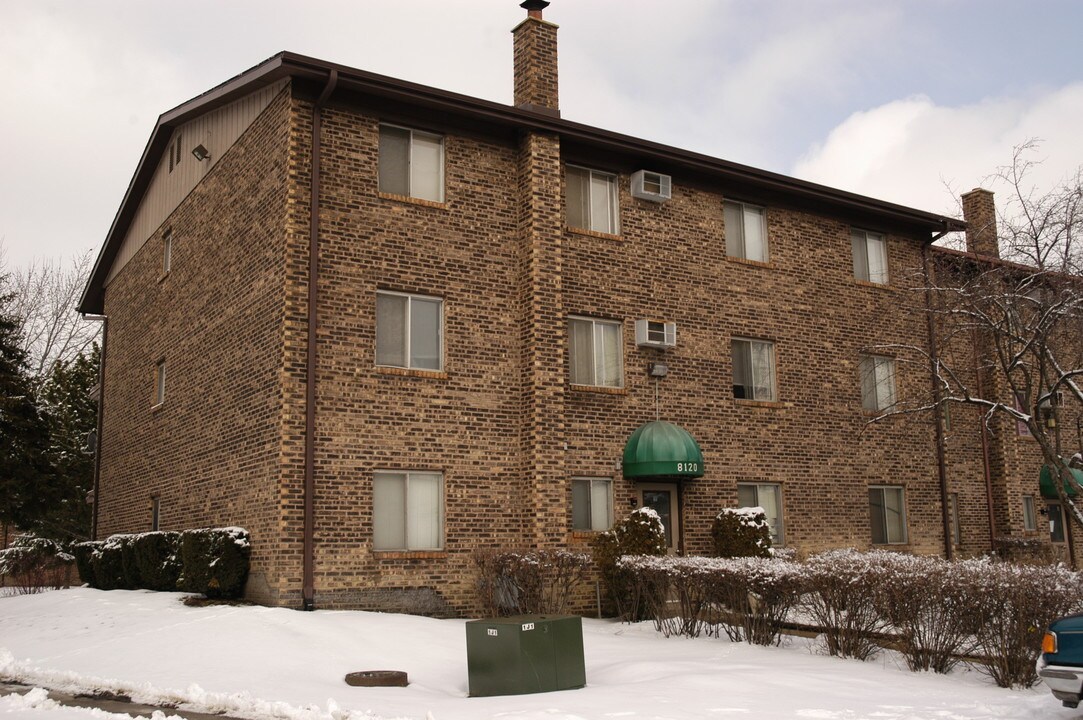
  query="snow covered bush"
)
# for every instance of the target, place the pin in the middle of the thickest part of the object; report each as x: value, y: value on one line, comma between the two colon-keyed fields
x: 513, y: 582
x: 930, y: 607
x: 108, y: 564
x: 748, y: 598
x: 35, y: 564
x: 842, y: 598
x: 156, y: 560
x: 741, y: 532
x: 1015, y: 605
x: 1026, y: 551
x: 214, y: 561
x: 641, y: 533
x: 84, y: 556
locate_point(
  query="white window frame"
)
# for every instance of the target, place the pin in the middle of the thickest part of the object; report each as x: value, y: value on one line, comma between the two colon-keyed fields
x: 883, y: 490
x: 871, y: 366
x: 407, y: 545
x: 751, y: 343
x: 594, y: 350
x: 159, y: 382
x: 592, y: 483
x: 1030, y: 516
x: 736, y: 242
x: 167, y: 251
x: 408, y: 319
x: 613, y: 200
x: 778, y: 528
x: 410, y: 162
x: 862, y: 243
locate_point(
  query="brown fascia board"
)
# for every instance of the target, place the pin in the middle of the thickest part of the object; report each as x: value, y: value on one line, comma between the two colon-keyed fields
x: 308, y: 69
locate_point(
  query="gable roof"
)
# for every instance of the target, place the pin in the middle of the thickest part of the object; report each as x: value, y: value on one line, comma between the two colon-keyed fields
x: 351, y: 80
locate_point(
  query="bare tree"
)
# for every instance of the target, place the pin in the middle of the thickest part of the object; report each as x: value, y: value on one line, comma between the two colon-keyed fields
x: 1008, y: 331
x: 46, y: 295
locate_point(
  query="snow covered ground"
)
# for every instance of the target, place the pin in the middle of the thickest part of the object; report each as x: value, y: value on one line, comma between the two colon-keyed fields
x: 274, y: 663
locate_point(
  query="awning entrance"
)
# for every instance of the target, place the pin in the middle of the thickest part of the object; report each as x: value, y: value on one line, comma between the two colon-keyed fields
x: 662, y: 449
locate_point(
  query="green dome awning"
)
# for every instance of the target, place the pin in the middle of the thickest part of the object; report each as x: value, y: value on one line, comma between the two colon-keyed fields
x: 1049, y: 489
x: 662, y: 448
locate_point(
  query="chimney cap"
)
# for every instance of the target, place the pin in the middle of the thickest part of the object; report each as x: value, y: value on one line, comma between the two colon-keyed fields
x: 534, y: 5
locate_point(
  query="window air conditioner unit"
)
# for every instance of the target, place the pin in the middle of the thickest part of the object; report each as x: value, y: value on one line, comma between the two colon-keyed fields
x: 647, y: 185
x: 655, y: 334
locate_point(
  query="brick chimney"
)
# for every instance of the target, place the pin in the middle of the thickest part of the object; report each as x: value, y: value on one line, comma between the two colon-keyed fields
x: 981, y: 220
x: 536, y: 61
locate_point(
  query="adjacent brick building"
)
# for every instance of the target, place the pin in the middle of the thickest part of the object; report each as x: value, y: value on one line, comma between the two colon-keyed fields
x: 382, y: 325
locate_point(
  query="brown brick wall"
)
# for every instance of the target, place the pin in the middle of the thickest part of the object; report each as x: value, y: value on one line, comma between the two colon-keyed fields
x: 499, y: 421
x: 211, y: 451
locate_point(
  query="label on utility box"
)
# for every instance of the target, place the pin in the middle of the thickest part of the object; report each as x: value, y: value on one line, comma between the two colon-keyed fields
x: 492, y: 632
x: 528, y: 626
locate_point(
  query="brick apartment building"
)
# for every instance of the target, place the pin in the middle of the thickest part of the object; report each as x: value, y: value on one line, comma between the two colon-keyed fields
x: 382, y: 325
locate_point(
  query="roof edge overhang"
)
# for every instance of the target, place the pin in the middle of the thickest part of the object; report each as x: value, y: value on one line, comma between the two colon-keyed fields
x: 301, y: 67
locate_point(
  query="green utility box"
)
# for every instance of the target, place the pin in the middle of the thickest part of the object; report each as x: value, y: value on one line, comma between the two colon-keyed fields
x: 525, y: 654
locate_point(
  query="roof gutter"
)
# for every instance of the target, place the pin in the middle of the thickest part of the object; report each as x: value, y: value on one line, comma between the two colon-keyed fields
x: 938, y: 418
x: 308, y: 591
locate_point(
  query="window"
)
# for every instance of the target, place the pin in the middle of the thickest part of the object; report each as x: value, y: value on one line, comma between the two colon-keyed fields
x: 407, y: 511
x: 887, y: 513
x: 956, y: 525
x: 753, y: 370
x: 411, y: 163
x: 167, y: 251
x: 409, y: 331
x: 592, y: 504
x: 1056, y: 523
x: 746, y: 231
x: 594, y: 347
x: 1021, y: 426
x: 159, y: 382
x: 877, y: 382
x: 769, y: 497
x: 591, y: 200
x: 155, y: 507
x: 870, y: 256
x: 1029, y: 521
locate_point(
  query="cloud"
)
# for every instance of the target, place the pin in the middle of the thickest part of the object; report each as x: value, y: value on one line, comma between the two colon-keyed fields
x: 907, y: 150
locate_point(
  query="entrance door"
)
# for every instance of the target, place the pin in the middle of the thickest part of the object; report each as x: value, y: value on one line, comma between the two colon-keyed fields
x: 662, y: 498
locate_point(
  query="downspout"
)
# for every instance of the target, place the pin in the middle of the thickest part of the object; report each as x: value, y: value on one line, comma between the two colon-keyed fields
x: 978, y: 387
x: 98, y: 433
x: 308, y: 590
x: 938, y: 420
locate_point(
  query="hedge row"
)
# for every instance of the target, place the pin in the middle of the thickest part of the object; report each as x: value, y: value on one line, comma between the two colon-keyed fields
x: 517, y: 582
x: 932, y: 610
x: 212, y: 561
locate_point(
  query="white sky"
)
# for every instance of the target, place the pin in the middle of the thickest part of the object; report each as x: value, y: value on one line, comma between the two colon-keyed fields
x: 893, y: 99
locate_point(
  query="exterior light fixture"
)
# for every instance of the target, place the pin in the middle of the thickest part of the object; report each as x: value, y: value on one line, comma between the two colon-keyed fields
x: 200, y: 152
x: 657, y: 370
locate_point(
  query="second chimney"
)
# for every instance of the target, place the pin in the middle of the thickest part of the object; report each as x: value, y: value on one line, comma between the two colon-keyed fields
x: 536, y: 61
x: 981, y: 223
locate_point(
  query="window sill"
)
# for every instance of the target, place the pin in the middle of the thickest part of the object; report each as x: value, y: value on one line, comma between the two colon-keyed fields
x: 760, y: 403
x: 585, y: 535
x: 412, y: 200
x: 599, y: 389
x: 753, y: 263
x: 409, y: 554
x: 594, y: 234
x: 870, y: 284
x: 411, y: 372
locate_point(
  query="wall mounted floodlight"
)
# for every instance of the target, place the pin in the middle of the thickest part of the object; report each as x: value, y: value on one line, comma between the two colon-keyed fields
x: 658, y: 370
x: 201, y: 153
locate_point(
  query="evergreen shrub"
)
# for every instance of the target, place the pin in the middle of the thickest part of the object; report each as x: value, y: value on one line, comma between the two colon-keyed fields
x: 641, y: 533
x: 214, y: 561
x: 156, y: 560
x: 741, y: 532
x: 84, y: 560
